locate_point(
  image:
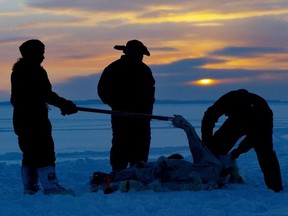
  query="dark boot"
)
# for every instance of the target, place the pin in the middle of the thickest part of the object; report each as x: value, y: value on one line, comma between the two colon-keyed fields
x: 30, y: 180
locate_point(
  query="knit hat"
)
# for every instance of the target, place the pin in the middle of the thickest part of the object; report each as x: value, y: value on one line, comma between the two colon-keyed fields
x: 31, y: 48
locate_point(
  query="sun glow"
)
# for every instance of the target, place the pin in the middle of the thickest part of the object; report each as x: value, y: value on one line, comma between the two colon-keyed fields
x: 205, y: 82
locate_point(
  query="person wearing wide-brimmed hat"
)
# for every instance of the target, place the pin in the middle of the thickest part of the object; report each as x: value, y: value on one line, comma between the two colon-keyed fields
x: 128, y: 85
x: 31, y: 91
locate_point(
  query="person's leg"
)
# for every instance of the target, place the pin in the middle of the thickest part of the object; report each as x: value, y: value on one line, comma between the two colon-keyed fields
x: 28, y: 145
x: 39, y: 162
x: 46, y: 168
x: 267, y: 159
x: 226, y: 136
x: 270, y: 167
x: 29, y: 177
x: 50, y: 183
x: 119, y: 152
x: 140, y: 141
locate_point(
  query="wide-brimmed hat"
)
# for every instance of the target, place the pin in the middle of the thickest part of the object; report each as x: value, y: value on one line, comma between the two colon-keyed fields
x: 133, y: 47
x: 31, y: 48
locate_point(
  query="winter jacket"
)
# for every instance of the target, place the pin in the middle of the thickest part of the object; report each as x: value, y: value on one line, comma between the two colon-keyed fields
x: 31, y: 91
x: 127, y: 85
x: 241, y: 106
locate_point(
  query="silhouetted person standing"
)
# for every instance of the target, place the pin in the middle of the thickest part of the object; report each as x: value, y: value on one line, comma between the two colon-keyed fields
x: 31, y: 93
x: 127, y: 85
x: 247, y: 115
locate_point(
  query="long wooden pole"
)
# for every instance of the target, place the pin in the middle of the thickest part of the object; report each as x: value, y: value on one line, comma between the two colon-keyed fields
x: 127, y: 114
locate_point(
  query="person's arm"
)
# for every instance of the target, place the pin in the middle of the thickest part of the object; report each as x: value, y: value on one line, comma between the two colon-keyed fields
x: 244, y: 146
x: 103, y: 87
x: 150, y: 92
x: 67, y: 107
x: 213, y: 113
x: 209, y: 120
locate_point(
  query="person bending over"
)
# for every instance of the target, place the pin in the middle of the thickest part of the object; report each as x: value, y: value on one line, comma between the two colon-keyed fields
x: 248, y: 116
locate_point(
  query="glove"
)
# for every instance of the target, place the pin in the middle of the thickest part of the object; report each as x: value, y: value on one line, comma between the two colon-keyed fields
x: 68, y: 108
x: 234, y: 154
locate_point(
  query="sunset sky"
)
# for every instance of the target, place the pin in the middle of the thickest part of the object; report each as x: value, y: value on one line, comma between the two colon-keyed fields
x: 230, y: 44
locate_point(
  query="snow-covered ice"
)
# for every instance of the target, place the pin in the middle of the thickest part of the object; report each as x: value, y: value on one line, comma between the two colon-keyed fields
x: 82, y: 144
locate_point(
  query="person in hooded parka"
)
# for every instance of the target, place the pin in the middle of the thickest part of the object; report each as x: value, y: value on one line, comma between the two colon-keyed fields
x: 31, y: 92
